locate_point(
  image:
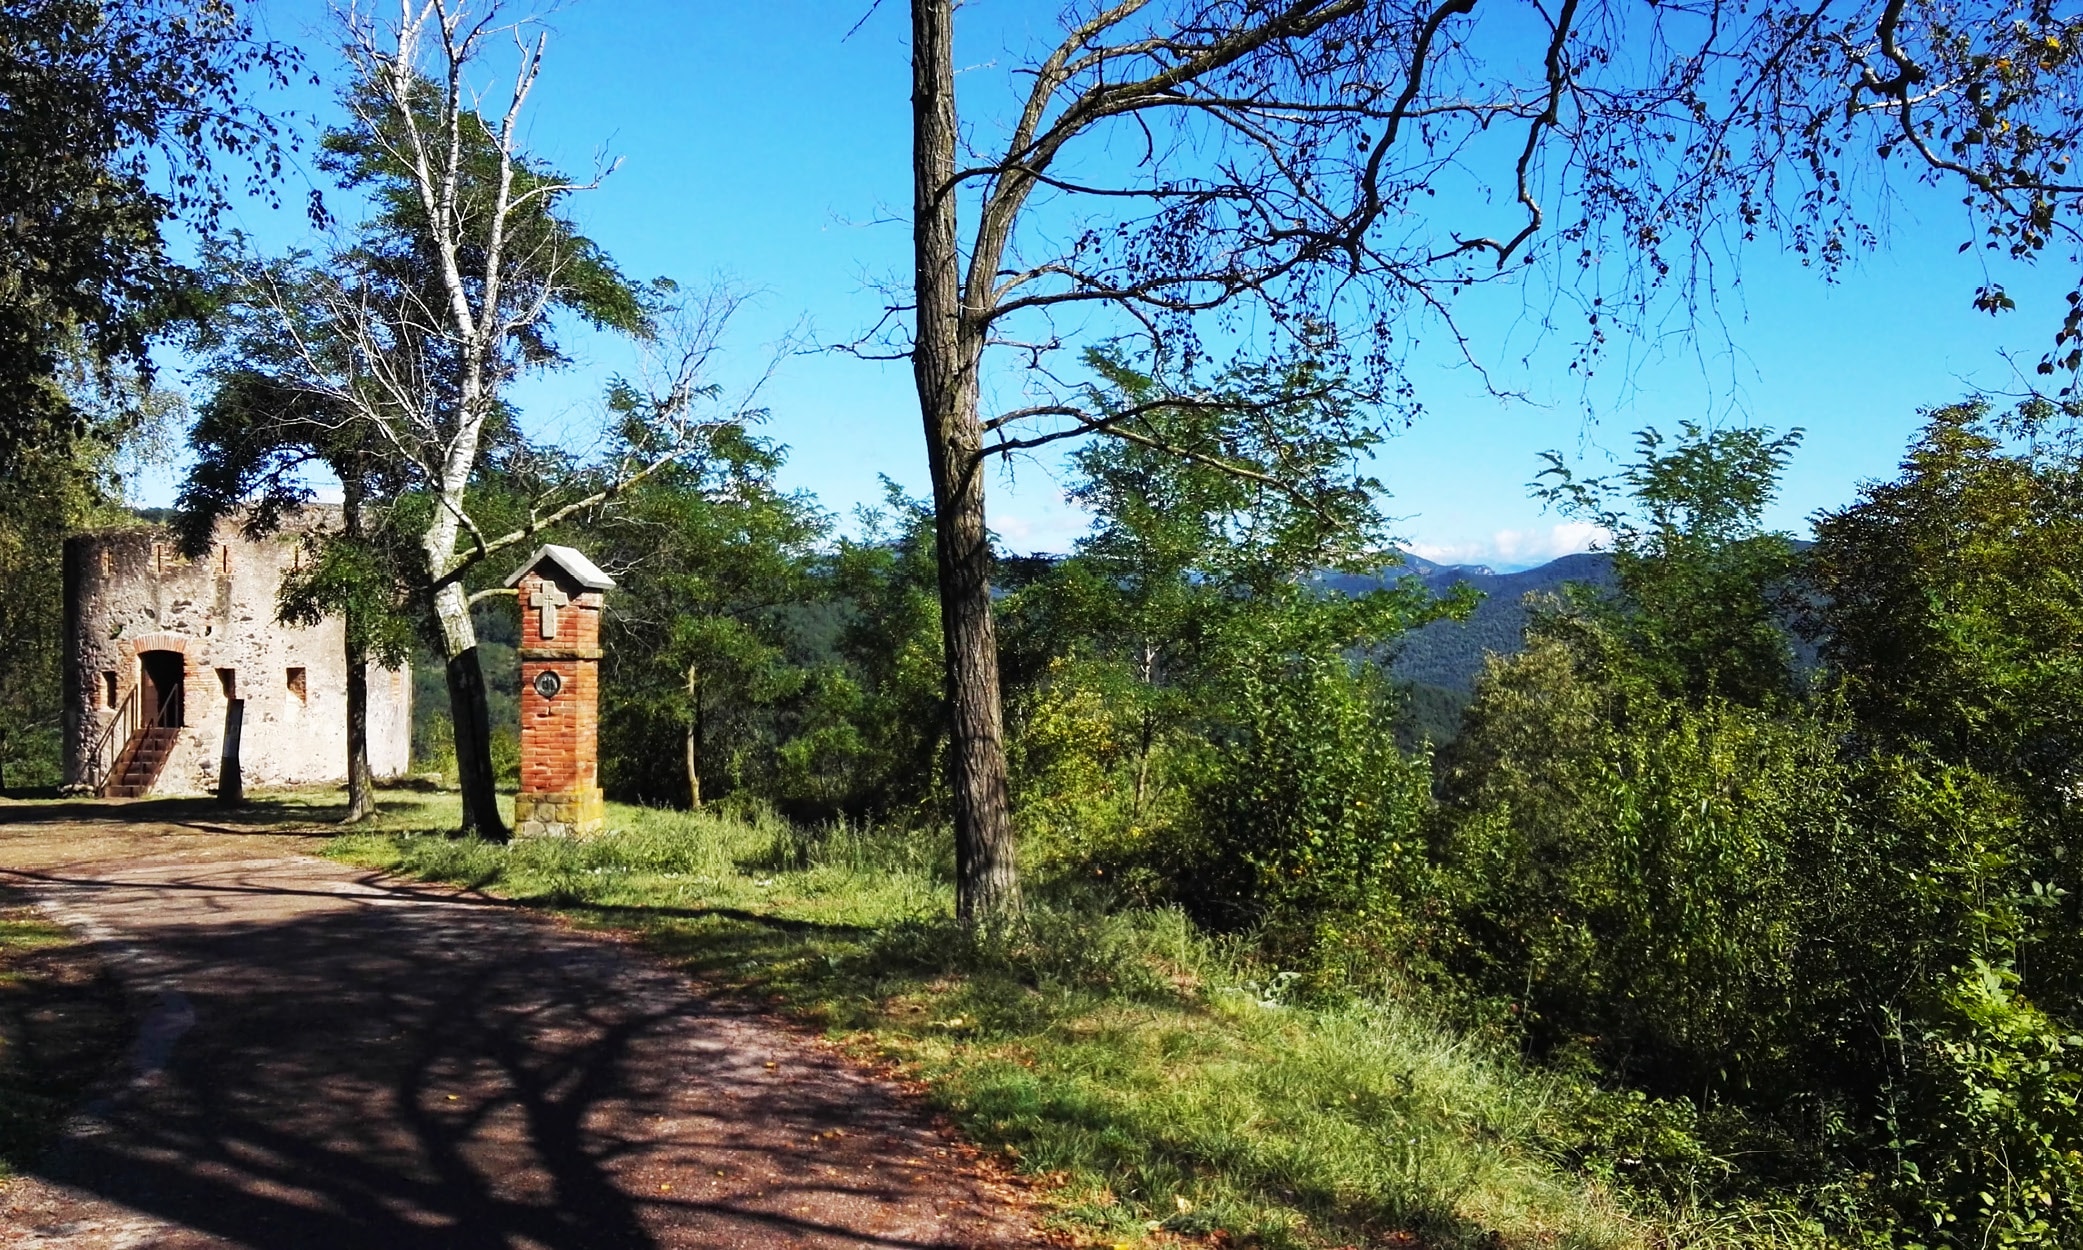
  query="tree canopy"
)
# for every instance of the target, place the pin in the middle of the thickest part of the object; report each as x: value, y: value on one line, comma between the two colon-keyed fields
x: 117, y: 117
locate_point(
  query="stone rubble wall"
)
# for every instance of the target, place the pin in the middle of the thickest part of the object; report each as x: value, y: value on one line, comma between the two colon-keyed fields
x: 128, y: 591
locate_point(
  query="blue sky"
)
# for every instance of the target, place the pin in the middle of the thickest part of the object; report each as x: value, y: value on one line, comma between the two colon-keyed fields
x: 761, y: 147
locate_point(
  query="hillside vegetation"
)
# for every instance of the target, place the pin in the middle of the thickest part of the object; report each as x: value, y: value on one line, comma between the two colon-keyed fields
x: 1449, y: 654
x: 1745, y: 865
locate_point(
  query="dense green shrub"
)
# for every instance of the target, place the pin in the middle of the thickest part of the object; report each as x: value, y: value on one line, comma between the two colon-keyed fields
x: 1986, y: 1118
x: 1833, y: 927
x: 1307, y: 819
x: 1633, y: 872
x: 1092, y: 774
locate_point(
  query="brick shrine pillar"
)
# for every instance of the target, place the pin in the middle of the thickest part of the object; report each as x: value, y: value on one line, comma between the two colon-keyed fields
x: 561, y: 594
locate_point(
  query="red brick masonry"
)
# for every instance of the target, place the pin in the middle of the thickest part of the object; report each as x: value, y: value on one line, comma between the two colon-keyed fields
x: 560, y: 735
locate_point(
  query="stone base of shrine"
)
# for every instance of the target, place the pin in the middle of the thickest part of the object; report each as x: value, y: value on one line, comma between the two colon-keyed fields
x: 569, y: 814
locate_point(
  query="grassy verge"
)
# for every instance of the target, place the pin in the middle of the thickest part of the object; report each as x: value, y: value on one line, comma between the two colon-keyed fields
x: 1160, y: 1080
x: 63, y: 1027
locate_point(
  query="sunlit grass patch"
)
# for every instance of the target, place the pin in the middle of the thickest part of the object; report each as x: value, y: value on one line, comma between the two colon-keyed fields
x: 654, y: 860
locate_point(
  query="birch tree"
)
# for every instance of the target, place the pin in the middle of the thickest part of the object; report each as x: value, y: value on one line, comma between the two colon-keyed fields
x: 1210, y: 174
x: 412, y: 326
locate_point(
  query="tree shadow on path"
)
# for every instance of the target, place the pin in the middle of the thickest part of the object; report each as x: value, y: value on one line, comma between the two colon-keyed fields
x: 333, y: 1061
x: 259, y: 814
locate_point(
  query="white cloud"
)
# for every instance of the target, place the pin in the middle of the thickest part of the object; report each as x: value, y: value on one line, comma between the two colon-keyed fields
x: 1050, y: 529
x: 1516, y: 548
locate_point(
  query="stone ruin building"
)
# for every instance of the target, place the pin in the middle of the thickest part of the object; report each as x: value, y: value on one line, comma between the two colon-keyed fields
x: 159, y: 648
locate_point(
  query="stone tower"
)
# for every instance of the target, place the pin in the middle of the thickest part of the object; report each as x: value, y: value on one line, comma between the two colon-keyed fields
x: 560, y: 599
x: 160, y: 649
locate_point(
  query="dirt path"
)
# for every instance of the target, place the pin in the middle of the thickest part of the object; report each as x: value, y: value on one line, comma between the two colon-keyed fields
x: 334, y: 1059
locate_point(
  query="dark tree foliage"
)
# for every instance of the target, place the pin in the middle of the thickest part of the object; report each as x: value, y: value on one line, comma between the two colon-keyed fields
x: 1946, y: 602
x: 881, y: 751
x: 547, y: 257
x: 51, y: 491
x: 113, y: 114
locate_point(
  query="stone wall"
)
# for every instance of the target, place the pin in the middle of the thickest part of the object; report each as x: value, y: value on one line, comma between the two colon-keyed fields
x: 129, y: 592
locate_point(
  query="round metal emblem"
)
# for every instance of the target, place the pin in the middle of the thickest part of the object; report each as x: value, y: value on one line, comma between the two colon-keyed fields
x: 547, y: 684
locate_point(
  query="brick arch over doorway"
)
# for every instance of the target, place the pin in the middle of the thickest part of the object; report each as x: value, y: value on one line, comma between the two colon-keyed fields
x: 156, y: 642
x: 157, y: 670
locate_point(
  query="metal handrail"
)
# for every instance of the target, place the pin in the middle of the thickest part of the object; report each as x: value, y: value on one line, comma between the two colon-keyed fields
x: 108, y: 748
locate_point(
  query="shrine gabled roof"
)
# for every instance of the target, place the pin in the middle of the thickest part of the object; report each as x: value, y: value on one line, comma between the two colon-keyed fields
x: 575, y: 565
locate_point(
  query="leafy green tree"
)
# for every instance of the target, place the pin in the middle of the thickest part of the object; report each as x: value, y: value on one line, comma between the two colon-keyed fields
x: 713, y: 562
x: 798, y: 674
x: 876, y: 746
x: 1950, y: 600
x: 1182, y: 543
x: 1946, y: 606
x: 117, y: 114
x: 1698, y: 575
x: 1198, y: 703
x: 117, y: 118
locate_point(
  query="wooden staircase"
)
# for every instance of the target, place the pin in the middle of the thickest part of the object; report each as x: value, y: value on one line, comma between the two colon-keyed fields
x: 137, y: 768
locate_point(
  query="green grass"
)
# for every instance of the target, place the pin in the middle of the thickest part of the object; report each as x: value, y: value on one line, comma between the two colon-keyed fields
x: 1156, y: 1078
x: 63, y: 1027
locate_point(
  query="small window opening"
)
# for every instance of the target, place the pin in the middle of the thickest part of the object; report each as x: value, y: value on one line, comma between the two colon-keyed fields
x: 224, y: 558
x: 167, y: 556
x: 108, y: 562
x: 108, y: 687
x: 229, y: 679
x: 296, y: 684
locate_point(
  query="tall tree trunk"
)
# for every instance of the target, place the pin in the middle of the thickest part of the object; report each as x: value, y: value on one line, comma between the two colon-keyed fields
x: 694, y: 737
x: 472, y: 715
x: 944, y: 365
x: 1135, y: 811
x: 361, y: 783
x: 1148, y: 730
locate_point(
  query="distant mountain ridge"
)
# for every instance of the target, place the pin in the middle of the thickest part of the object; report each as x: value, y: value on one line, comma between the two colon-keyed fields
x: 1449, y: 654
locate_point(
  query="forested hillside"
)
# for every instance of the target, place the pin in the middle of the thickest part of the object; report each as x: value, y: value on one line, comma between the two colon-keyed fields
x: 1449, y: 654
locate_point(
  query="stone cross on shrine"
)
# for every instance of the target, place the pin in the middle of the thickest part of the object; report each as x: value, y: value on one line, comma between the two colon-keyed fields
x: 548, y: 599
x: 561, y: 594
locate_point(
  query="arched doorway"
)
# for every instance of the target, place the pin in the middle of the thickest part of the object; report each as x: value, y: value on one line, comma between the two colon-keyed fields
x: 162, y: 689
